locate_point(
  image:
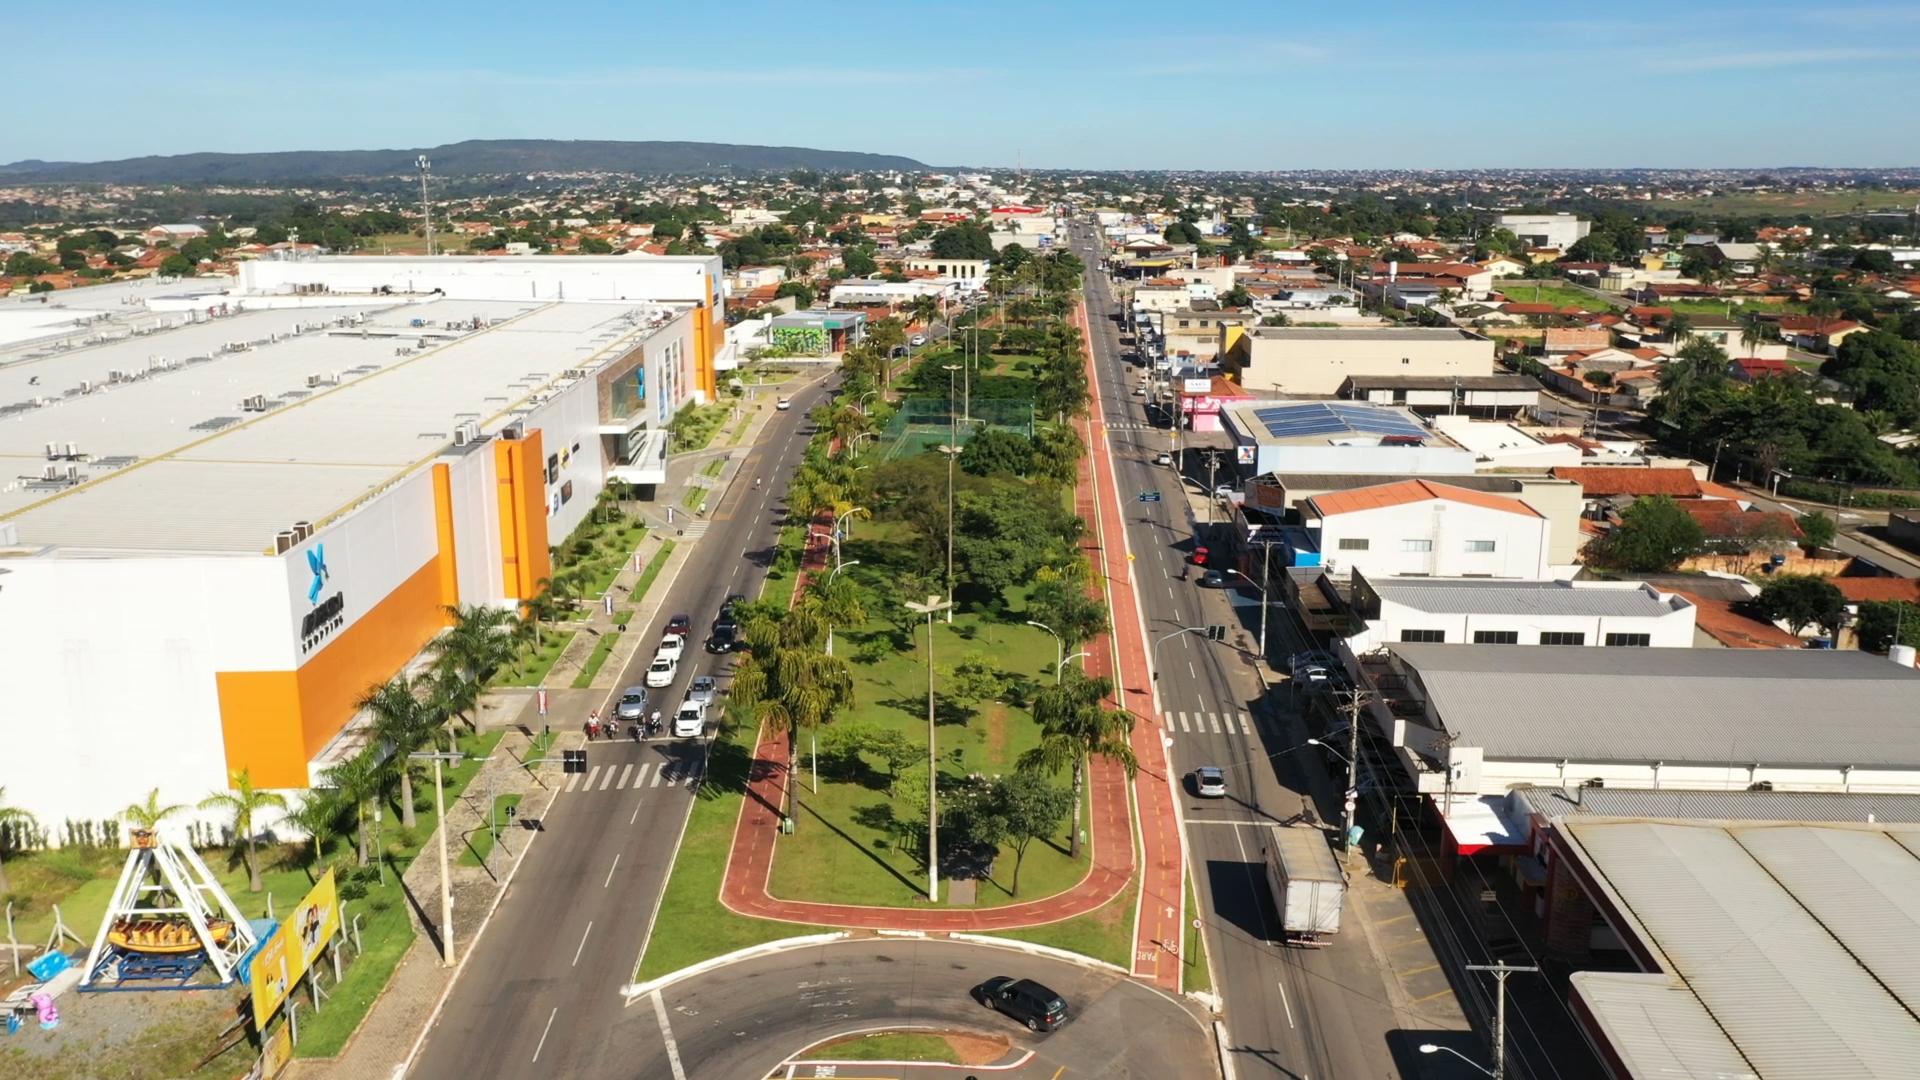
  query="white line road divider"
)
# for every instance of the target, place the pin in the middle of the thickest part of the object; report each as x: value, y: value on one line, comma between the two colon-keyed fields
x: 634, y: 990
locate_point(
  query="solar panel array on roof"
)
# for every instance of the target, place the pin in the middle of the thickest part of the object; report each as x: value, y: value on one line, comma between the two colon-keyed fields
x: 1327, y: 418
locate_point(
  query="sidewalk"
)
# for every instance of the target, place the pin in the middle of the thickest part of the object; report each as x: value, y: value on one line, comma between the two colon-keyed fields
x: 1161, y: 915
x: 395, y: 1020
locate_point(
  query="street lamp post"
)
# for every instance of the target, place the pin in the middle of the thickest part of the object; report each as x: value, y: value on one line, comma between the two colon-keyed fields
x: 440, y: 808
x: 933, y: 604
x: 1057, y: 668
x: 1262, y: 590
x: 1059, y: 647
x: 952, y: 450
x: 1436, y: 1048
x: 830, y: 577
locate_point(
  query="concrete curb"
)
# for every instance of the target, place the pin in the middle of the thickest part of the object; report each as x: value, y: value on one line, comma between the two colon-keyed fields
x: 1039, y: 950
x: 1220, y: 1044
x: 634, y: 990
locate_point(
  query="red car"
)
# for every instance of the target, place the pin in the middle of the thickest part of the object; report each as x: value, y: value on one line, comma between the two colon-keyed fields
x: 680, y: 624
x: 1199, y: 556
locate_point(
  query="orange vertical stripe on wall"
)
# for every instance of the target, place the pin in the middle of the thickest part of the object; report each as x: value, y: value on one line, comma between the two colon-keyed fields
x: 443, y: 522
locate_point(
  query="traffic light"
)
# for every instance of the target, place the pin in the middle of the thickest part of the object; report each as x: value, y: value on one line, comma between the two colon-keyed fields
x: 1216, y: 633
x: 573, y: 761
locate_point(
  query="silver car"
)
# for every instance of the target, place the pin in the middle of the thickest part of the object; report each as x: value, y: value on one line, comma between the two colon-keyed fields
x: 1210, y: 782
x: 704, y: 690
x: 633, y: 704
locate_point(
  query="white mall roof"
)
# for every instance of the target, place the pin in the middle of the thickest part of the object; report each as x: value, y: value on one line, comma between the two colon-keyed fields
x: 187, y: 469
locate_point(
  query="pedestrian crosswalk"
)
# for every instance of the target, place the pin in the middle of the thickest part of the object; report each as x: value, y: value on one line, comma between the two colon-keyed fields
x: 1231, y: 722
x: 695, y: 529
x: 626, y: 777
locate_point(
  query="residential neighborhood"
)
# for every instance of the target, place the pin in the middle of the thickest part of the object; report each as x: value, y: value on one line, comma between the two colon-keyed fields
x: 994, y: 571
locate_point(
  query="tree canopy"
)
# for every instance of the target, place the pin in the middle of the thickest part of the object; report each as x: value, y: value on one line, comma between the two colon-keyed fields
x: 967, y: 241
x: 1654, y: 535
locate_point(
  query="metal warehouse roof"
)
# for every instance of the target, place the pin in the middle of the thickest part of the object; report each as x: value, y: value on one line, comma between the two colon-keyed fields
x: 1722, y: 805
x: 1796, y: 941
x: 1678, y: 706
x: 1657, y: 1028
x: 1392, y: 333
x: 1312, y: 419
x: 1480, y: 596
x: 172, y: 461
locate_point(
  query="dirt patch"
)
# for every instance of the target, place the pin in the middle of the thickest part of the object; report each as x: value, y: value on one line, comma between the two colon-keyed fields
x: 977, y: 1049
x: 997, y: 732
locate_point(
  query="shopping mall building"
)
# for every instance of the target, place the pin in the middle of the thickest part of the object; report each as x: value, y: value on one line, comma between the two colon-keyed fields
x: 234, y: 506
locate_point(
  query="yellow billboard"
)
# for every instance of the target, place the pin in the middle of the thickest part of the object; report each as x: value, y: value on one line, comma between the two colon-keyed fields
x: 282, y: 961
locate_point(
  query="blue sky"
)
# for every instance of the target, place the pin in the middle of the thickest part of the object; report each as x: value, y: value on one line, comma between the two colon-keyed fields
x: 1081, y: 84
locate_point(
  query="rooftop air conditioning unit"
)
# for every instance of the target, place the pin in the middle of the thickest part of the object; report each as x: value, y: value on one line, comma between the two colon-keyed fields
x: 283, y: 541
x: 73, y: 451
x: 52, y: 473
x: 513, y: 431
x: 86, y: 386
x: 313, y: 380
x: 53, y: 450
x: 73, y: 473
x: 302, y: 530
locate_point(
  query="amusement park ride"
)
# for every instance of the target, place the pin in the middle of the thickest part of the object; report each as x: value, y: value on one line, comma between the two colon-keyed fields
x: 167, y: 920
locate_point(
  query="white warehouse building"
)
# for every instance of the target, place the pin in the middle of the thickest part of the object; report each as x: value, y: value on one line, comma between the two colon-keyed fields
x: 229, y: 530
x: 1483, y: 611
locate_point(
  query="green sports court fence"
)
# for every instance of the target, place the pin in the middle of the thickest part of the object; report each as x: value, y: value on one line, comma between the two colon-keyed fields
x: 921, y: 424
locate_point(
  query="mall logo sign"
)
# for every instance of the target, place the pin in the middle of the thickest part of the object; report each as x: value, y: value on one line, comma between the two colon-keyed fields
x: 329, y: 612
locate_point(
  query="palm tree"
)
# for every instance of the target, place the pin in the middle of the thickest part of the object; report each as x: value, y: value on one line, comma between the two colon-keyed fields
x: 356, y: 780
x: 147, y: 816
x: 925, y: 309
x: 245, y: 801
x: 402, y: 721
x: 316, y: 816
x: 542, y: 607
x: 477, y: 642
x: 1075, y: 722
x: 9, y: 815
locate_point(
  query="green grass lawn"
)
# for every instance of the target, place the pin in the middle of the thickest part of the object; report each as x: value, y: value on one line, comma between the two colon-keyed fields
x: 596, y: 660
x: 841, y: 850
x: 406, y: 243
x: 714, y: 467
x: 1195, y: 948
x: 693, y: 925
x: 693, y: 426
x: 1105, y: 933
x: 1521, y: 291
x: 887, y: 1046
x: 1717, y: 309
x: 652, y: 571
x: 1813, y: 203
x: 531, y: 663
x: 479, y: 844
x: 695, y: 498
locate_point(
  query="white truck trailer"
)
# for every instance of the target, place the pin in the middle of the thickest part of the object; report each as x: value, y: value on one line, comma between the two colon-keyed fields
x: 1307, y: 882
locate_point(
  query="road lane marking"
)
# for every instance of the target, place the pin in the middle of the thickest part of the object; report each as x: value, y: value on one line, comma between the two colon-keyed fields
x: 666, y: 1036
x: 640, y: 778
x: 549, y: 1027
x: 607, y: 780
x: 1246, y: 725
x: 636, y: 814
x: 611, y: 869
x: 583, y: 940
x: 572, y: 779
x: 591, y: 773
x: 1216, y: 723
x: 1191, y: 671
x: 1182, y: 718
x: 624, y: 772
x: 1284, y: 1004
x: 657, y: 776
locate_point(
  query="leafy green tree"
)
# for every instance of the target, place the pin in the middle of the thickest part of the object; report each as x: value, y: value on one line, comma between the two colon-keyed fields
x: 1075, y: 723
x: 1885, y: 623
x: 1800, y: 600
x: 404, y: 722
x: 1057, y: 451
x: 1817, y: 531
x: 594, y: 245
x: 10, y: 817
x: 1654, y: 535
x: 801, y: 292
x: 178, y: 265
x: 1059, y: 601
x: 27, y: 264
x: 994, y: 450
x: 245, y: 802
x: 1002, y: 534
x: 858, y: 262
x: 1237, y: 297
x: 317, y: 815
x: 356, y: 782
x: 1031, y: 809
x: 965, y: 241
x: 1882, y: 370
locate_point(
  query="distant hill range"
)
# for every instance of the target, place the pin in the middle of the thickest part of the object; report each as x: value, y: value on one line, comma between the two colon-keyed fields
x: 477, y: 157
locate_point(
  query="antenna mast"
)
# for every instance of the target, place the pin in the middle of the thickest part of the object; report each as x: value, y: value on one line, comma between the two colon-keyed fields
x: 426, y: 208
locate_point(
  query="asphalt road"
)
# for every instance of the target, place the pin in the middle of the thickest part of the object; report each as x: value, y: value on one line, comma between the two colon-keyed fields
x: 543, y: 985
x: 1289, y: 1012
x: 747, y: 1020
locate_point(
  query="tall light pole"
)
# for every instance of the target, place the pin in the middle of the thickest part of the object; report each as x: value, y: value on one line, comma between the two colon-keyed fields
x: 839, y: 527
x: 440, y: 808
x: 830, y: 577
x: 1501, y: 969
x: 426, y: 208
x: 952, y: 450
x: 1262, y: 589
x: 933, y: 604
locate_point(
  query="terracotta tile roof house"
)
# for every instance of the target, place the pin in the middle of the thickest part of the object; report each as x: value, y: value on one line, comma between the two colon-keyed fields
x: 1723, y: 520
x: 1677, y: 291
x: 1867, y: 589
x: 1606, y: 481
x: 1755, y: 368
x: 1411, y: 491
x: 1718, y: 620
x: 1646, y: 315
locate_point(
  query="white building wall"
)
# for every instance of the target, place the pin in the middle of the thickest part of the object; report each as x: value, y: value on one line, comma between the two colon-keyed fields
x: 368, y: 554
x: 569, y: 437
x: 472, y: 480
x: 567, y: 277
x: 1444, y: 528
x: 1395, y: 461
x: 108, y: 670
x: 1672, y: 630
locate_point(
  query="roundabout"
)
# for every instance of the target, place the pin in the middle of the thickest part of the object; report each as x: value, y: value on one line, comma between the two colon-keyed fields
x: 769, y: 1016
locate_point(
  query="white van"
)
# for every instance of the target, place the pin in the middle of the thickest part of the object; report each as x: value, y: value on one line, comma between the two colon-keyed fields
x: 691, y: 721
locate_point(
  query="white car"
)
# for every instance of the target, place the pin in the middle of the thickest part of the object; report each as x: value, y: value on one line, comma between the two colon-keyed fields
x: 1163, y: 459
x: 704, y: 690
x: 917, y: 340
x: 691, y: 721
x: 662, y: 671
x: 672, y: 647
x: 783, y: 404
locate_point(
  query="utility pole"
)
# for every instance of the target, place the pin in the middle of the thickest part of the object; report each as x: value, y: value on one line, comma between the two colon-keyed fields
x: 426, y: 208
x: 952, y: 450
x: 1355, y: 699
x: 1213, y: 465
x: 1501, y: 969
x: 933, y: 604
x: 446, y: 891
